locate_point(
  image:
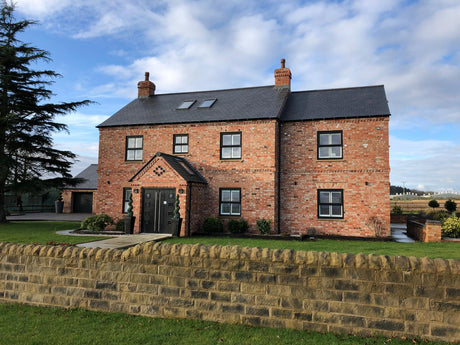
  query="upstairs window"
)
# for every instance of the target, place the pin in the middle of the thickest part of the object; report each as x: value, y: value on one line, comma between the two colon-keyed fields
x: 180, y: 143
x: 230, y: 145
x: 185, y: 105
x: 208, y: 103
x: 330, y: 145
x: 230, y: 202
x: 134, y: 148
x: 330, y: 203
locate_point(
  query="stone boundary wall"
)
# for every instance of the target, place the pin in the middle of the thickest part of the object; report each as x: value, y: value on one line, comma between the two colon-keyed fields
x: 360, y: 294
x: 428, y: 232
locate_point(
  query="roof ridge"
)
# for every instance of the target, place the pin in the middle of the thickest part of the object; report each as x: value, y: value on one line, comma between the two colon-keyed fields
x: 341, y: 88
x: 216, y: 90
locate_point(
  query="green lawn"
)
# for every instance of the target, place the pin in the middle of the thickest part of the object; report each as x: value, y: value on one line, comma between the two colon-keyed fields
x: 446, y: 250
x: 41, y: 232
x: 20, y: 324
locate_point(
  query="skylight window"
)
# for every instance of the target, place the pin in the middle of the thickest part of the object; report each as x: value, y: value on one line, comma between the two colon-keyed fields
x: 207, y: 103
x: 186, y: 105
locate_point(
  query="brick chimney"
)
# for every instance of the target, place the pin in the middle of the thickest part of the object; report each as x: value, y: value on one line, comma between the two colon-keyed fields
x: 283, y: 75
x: 145, y: 88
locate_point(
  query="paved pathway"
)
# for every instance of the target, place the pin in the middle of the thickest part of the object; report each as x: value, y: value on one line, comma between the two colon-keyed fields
x: 399, y: 233
x: 124, y: 241
x: 117, y: 241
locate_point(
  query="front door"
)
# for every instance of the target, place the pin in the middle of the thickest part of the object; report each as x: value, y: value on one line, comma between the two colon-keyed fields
x: 157, y: 209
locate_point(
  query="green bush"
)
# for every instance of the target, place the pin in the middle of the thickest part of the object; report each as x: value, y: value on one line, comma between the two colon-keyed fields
x: 213, y: 224
x: 450, y: 206
x: 440, y: 216
x: 433, y: 203
x: 97, y: 223
x: 264, y: 225
x: 451, y: 227
x: 396, y: 210
x: 238, y: 226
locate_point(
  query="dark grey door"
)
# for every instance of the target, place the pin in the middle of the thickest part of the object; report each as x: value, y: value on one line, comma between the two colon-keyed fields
x: 82, y: 202
x: 157, y: 209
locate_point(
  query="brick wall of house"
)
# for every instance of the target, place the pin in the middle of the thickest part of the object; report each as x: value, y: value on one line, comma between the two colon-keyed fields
x: 363, y: 174
x: 255, y: 173
x: 326, y: 292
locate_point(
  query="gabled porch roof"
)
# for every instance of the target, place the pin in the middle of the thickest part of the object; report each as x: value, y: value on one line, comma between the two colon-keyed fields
x: 178, y: 164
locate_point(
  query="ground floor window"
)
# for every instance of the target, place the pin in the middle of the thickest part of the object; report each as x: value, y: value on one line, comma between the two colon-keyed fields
x: 126, y: 194
x: 230, y: 201
x: 330, y: 203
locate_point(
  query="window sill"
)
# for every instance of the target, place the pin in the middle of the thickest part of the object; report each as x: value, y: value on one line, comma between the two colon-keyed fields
x: 333, y: 219
x: 231, y: 160
x: 330, y: 160
x: 133, y: 162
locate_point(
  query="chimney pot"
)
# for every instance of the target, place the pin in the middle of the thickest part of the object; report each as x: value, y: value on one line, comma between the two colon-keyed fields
x: 145, y: 88
x: 283, y: 76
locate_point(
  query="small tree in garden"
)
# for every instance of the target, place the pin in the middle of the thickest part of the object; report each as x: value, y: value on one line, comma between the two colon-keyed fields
x: 130, y: 206
x: 450, y: 206
x: 433, y: 203
x: 177, y: 207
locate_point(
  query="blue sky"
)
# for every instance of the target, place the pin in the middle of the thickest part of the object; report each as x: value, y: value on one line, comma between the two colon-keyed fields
x: 103, y: 47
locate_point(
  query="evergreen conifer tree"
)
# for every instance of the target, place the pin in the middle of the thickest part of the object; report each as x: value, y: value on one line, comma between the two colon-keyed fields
x: 27, y: 117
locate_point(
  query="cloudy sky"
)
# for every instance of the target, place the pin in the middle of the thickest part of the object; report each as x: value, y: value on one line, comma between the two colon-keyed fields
x: 103, y: 47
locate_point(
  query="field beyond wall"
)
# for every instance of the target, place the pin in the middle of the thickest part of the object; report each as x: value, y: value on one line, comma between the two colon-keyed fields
x: 415, y: 206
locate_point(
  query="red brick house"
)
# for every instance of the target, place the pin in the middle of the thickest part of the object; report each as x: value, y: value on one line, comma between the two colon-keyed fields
x: 309, y: 159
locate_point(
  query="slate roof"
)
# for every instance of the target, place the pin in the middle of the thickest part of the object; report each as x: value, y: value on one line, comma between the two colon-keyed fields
x: 336, y: 103
x: 252, y: 103
x: 180, y: 165
x: 90, y: 176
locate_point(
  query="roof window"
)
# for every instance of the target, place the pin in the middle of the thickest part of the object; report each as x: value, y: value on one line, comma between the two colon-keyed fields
x: 208, y: 103
x: 186, y: 105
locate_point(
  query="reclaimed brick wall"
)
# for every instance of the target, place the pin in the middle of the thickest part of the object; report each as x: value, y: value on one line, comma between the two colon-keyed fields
x: 430, y: 231
x: 255, y: 173
x: 363, y: 174
x: 399, y: 218
x: 360, y: 294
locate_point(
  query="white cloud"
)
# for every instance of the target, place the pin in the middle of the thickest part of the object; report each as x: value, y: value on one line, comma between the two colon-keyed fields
x: 41, y: 8
x: 83, y: 120
x: 431, y: 163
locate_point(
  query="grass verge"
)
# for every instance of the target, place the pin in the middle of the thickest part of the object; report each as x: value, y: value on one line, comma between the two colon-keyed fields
x: 41, y: 232
x: 445, y: 250
x: 21, y: 324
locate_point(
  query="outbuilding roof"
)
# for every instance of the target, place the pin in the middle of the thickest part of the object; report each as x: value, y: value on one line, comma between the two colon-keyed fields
x: 90, y: 178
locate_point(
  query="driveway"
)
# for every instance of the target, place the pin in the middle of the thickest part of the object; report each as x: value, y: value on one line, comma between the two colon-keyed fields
x: 59, y: 217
